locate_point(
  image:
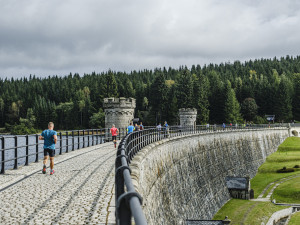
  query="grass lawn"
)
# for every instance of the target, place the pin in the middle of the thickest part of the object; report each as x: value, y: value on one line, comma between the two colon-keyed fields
x: 288, y: 155
x: 288, y: 192
x: 247, y: 212
x: 267, y: 171
x: 295, y: 219
x: 290, y: 144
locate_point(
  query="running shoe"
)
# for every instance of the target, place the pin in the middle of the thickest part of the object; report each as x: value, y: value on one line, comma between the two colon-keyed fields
x: 51, y: 172
x: 44, y: 169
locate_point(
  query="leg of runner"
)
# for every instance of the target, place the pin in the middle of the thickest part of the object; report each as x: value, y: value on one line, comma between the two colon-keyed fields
x: 44, y: 164
x: 51, y: 165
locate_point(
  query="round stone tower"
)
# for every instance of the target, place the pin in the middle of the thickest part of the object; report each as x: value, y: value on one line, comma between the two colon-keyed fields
x: 188, y: 116
x: 118, y: 111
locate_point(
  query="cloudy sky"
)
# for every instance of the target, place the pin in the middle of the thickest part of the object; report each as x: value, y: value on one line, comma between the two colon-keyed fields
x: 57, y: 37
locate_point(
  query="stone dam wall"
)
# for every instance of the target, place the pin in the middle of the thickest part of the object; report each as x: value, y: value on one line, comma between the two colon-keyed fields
x: 184, y: 177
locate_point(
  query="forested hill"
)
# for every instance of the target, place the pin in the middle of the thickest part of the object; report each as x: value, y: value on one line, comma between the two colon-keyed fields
x: 230, y: 92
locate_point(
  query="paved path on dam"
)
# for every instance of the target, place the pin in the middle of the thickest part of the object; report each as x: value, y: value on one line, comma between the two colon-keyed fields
x: 81, y: 191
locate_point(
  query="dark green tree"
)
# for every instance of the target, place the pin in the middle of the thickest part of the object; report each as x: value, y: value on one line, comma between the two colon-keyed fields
x: 249, y: 109
x: 185, y: 89
x: 232, y: 106
x: 283, y: 105
x: 296, y: 99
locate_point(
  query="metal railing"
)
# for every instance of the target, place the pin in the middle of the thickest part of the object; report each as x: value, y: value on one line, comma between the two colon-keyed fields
x: 19, y: 150
x: 128, y: 203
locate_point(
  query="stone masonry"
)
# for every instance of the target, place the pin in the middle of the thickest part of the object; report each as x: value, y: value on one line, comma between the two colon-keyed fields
x: 119, y: 111
x: 188, y: 116
x: 183, y: 178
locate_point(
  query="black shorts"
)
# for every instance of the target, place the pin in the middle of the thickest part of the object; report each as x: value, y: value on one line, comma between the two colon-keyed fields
x: 114, y: 138
x: 50, y: 152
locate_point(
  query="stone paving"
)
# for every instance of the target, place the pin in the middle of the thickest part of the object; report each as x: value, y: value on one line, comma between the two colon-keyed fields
x: 81, y: 191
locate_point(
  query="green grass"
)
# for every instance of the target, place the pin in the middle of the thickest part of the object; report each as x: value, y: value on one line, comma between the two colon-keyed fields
x: 295, y: 219
x: 267, y: 172
x: 290, y: 144
x: 288, y: 192
x: 247, y: 212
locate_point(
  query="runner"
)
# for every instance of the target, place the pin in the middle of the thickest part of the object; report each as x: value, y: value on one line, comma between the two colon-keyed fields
x: 50, y: 138
x: 114, y: 132
x: 130, y: 128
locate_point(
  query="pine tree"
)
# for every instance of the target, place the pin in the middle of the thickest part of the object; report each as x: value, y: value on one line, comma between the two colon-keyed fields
x: 185, y: 89
x: 296, y: 99
x: 158, y: 98
x: 283, y: 105
x: 232, y: 106
x: 111, y: 85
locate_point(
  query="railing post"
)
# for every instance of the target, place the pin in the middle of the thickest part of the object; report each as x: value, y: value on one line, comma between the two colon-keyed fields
x: 27, y: 150
x: 67, y: 141
x: 73, y: 141
x: 60, y: 142
x: 16, y: 152
x: 3, y: 155
x: 36, y: 148
x: 78, y: 133
x: 83, y: 144
x: 88, y: 132
x: 92, y: 137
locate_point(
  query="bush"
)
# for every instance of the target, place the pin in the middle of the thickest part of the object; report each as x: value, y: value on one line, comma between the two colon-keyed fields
x: 22, y: 129
x: 296, y: 166
x: 295, y: 133
x: 285, y: 170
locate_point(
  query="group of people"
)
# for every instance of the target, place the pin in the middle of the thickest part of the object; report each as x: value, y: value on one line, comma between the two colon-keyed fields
x: 50, y: 138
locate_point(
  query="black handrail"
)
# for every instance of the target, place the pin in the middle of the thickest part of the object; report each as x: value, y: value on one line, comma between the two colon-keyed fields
x: 65, y: 142
x: 128, y: 204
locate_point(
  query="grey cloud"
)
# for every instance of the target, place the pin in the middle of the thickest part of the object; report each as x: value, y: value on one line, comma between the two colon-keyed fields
x: 58, y: 37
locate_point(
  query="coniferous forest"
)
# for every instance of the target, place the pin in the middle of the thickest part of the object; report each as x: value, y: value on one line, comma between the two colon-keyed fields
x: 225, y: 93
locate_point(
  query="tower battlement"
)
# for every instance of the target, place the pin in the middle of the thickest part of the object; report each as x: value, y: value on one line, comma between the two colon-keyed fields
x: 119, y: 111
x: 188, y: 116
x: 188, y: 111
x: 119, y: 103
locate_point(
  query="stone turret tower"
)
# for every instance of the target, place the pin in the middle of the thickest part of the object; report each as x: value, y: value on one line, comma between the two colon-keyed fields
x: 188, y: 116
x: 118, y: 111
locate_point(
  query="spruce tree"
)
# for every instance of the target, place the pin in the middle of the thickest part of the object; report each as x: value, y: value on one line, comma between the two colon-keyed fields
x: 232, y: 106
x: 296, y: 99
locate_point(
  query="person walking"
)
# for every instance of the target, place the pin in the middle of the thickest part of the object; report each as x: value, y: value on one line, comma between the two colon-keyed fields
x: 136, y: 127
x: 166, y: 129
x: 50, y: 138
x: 141, y: 126
x: 158, y: 127
x: 130, y: 128
x: 114, y: 133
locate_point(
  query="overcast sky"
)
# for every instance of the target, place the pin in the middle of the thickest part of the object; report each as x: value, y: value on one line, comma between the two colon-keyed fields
x: 56, y: 37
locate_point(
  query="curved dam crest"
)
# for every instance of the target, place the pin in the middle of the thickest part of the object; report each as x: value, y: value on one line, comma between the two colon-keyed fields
x: 183, y: 178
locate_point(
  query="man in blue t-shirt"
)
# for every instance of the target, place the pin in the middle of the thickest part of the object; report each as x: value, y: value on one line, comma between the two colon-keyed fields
x: 50, y: 138
x: 130, y: 129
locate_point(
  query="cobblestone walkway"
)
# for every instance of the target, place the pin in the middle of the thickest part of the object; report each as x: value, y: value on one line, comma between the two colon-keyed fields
x: 80, y: 192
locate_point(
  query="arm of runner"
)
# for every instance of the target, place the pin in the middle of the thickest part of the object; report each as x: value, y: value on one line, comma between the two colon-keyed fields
x: 117, y: 131
x: 55, y: 138
x: 41, y: 137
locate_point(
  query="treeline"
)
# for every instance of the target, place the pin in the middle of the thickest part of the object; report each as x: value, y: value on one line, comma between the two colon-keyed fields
x: 231, y: 93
